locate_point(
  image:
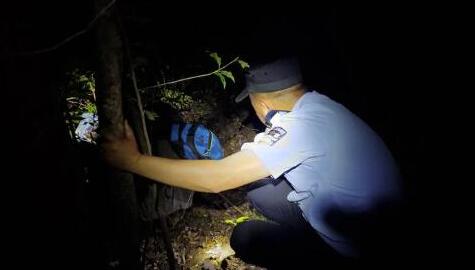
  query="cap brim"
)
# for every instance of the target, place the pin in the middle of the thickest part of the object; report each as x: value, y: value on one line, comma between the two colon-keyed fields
x: 242, y: 96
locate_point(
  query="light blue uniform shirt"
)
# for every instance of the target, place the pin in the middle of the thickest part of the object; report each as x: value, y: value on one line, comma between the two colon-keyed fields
x: 333, y: 161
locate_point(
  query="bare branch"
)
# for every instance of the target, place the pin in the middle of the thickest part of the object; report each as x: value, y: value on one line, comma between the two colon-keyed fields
x: 147, y: 148
x: 73, y: 36
x: 190, y: 78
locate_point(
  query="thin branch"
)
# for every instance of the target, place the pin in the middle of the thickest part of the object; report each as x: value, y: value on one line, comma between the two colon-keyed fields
x: 232, y: 204
x: 142, y: 118
x: 148, y: 147
x: 190, y: 78
x: 73, y: 36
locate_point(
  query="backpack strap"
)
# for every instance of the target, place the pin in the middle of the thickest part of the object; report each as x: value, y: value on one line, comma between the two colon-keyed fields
x: 210, y: 143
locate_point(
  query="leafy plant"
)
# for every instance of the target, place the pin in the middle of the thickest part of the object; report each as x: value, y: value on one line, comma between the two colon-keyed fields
x: 177, y: 99
x: 195, y: 105
x: 78, y: 93
x: 223, y: 74
x: 236, y: 221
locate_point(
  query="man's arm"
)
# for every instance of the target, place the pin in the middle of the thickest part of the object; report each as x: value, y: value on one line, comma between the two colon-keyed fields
x: 200, y: 175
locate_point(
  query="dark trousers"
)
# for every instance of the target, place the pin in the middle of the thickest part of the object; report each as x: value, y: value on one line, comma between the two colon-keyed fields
x: 288, y: 241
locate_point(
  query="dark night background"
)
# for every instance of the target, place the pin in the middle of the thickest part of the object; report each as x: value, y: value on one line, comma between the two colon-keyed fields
x: 367, y: 58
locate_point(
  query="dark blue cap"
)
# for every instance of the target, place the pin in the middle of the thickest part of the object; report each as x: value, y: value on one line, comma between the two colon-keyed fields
x: 272, y: 76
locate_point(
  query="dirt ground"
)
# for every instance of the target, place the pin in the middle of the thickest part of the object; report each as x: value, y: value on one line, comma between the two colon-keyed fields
x: 200, y: 234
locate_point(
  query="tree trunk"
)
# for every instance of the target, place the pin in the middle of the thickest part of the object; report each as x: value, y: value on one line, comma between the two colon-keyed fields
x: 110, y: 110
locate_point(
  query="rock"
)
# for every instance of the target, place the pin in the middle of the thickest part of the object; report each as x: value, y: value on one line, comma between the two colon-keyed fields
x: 208, y: 265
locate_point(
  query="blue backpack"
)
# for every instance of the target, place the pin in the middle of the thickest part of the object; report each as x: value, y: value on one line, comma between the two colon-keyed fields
x: 194, y: 141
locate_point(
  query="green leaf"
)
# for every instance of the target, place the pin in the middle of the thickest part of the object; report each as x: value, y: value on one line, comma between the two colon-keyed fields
x: 90, y: 107
x: 230, y: 221
x: 228, y: 74
x: 243, y: 64
x: 150, y: 115
x: 216, y: 58
x: 221, y: 78
x: 241, y: 219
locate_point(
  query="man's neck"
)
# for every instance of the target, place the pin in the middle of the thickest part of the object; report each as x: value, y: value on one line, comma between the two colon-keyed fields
x: 289, y: 103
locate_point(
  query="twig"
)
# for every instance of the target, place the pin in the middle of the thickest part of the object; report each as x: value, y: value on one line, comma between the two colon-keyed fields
x: 148, y: 147
x: 183, y: 258
x: 187, y: 203
x: 252, y: 129
x: 73, y: 36
x: 232, y: 204
x: 190, y: 78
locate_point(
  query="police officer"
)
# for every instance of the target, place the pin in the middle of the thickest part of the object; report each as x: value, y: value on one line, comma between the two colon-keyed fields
x: 318, y: 173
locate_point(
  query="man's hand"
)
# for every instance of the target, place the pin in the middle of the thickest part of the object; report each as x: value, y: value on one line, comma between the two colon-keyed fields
x: 121, y: 151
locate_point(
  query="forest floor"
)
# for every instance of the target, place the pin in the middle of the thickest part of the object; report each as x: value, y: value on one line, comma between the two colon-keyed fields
x: 200, y: 235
